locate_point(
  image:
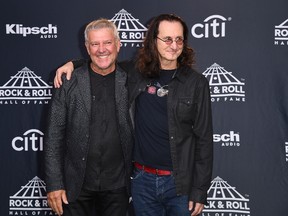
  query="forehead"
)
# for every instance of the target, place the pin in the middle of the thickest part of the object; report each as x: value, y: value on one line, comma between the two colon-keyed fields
x: 100, y: 34
x: 167, y: 28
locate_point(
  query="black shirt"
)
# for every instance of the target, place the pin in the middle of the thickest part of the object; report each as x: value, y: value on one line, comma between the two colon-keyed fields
x: 105, y: 165
x: 152, y: 146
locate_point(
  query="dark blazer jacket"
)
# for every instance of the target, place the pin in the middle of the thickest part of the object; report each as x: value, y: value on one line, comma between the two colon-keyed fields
x: 67, y: 133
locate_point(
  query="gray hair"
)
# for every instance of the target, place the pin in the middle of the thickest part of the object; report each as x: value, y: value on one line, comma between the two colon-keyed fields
x: 100, y: 24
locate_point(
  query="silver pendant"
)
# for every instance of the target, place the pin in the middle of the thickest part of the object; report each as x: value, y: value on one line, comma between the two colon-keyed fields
x: 162, y: 92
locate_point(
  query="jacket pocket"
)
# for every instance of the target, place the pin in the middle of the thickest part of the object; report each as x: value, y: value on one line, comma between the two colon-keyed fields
x: 186, y: 109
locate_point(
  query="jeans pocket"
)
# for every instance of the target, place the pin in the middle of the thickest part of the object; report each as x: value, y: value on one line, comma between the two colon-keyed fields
x: 136, y: 174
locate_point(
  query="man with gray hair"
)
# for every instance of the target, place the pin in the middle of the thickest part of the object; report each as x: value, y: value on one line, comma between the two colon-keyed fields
x: 88, y: 141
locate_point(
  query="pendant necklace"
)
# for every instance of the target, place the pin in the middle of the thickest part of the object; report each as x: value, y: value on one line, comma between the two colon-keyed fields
x: 162, y: 90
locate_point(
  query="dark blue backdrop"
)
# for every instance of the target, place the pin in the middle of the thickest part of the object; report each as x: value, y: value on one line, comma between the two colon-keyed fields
x: 242, y: 49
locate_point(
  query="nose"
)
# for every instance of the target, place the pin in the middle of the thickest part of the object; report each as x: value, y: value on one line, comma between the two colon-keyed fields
x: 101, y: 47
x: 174, y: 44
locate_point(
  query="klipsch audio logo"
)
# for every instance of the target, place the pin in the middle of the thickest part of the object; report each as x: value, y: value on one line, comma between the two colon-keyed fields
x: 224, y: 200
x: 213, y: 26
x: 131, y: 31
x: 223, y: 85
x: 30, y: 199
x: 25, y: 87
x: 31, y: 140
x: 44, y: 32
x: 281, y: 34
x: 230, y: 139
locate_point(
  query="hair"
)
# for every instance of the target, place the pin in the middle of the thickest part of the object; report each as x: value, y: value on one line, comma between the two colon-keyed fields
x: 147, y: 60
x: 100, y: 24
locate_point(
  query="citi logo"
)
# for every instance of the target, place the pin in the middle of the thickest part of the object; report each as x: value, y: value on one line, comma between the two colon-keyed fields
x: 49, y: 31
x: 213, y: 26
x: 32, y: 140
x: 226, y: 140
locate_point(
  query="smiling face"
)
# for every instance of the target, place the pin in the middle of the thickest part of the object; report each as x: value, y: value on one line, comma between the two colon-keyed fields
x: 168, y: 54
x: 103, y: 48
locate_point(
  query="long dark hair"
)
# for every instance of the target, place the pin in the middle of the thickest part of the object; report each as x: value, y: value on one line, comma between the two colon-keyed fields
x: 148, y: 56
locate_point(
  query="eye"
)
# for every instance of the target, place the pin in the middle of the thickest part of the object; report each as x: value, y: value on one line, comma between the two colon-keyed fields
x: 168, y: 40
x: 107, y: 43
x: 94, y: 44
x: 179, y: 40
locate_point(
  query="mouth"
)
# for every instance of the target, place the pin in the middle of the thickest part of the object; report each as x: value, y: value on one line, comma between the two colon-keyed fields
x: 173, y: 52
x: 103, y: 56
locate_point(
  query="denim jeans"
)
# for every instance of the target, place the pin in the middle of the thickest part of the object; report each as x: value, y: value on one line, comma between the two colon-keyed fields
x: 155, y: 195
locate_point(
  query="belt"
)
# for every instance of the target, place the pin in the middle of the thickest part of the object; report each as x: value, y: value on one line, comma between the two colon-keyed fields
x: 152, y: 170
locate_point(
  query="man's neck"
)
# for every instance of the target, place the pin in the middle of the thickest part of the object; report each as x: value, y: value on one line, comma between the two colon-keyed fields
x: 169, y: 65
x: 100, y: 71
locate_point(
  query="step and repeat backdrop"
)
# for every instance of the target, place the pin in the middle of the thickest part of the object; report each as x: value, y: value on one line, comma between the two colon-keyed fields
x: 241, y: 48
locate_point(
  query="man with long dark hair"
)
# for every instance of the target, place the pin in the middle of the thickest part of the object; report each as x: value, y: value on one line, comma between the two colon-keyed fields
x: 171, y: 113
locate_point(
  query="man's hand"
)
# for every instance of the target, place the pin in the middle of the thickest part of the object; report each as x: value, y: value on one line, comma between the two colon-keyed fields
x: 66, y: 68
x: 197, y: 208
x: 55, y: 199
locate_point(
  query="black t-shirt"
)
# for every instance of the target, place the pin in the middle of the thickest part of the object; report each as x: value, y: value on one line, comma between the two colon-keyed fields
x: 152, y: 146
x: 105, y: 165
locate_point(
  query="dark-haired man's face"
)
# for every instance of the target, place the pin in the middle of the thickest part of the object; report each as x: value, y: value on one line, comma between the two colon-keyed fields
x: 168, y: 54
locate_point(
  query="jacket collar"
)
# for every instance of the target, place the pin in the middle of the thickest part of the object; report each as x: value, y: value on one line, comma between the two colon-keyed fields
x: 85, y: 90
x: 83, y: 78
x: 120, y: 84
x: 182, y: 73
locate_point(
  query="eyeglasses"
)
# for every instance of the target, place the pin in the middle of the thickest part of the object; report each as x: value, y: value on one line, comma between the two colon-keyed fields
x: 169, y: 40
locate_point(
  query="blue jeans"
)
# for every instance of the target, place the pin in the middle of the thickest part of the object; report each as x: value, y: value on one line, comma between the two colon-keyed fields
x: 155, y: 195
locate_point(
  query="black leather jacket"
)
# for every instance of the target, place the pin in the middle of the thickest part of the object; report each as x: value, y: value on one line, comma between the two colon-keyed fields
x: 190, y: 128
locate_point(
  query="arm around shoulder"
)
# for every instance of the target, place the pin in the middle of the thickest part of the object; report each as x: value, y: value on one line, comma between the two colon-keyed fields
x: 67, y: 69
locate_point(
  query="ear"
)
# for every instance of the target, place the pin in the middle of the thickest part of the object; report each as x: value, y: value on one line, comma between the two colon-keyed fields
x: 118, y: 44
x: 87, y: 47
